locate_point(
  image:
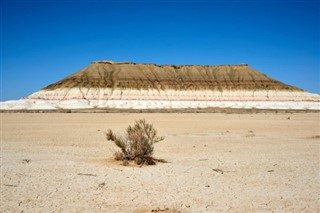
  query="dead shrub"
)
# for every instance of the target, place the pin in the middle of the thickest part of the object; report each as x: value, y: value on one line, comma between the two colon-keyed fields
x: 137, y: 144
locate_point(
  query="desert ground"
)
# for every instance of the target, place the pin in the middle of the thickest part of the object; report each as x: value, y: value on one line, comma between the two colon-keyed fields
x: 217, y: 162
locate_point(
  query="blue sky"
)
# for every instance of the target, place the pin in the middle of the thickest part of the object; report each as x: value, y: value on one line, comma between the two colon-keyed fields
x: 43, y: 41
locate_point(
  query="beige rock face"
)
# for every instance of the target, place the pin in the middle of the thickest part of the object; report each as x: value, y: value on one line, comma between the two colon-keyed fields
x: 107, y: 80
x: 107, y: 84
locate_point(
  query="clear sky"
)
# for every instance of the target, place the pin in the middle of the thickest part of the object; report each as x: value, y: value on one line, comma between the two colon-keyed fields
x: 43, y: 41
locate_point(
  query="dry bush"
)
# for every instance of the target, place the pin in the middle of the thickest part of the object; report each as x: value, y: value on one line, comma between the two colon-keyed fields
x: 137, y: 144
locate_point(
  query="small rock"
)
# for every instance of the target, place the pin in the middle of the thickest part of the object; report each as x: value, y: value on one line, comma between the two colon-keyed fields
x: 102, y: 184
x: 26, y: 161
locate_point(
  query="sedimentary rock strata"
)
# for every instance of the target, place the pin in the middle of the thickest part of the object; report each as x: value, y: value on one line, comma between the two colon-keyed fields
x: 131, y: 85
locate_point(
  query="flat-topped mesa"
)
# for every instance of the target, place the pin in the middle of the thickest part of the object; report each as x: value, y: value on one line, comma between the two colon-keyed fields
x: 158, y: 65
x: 111, y: 62
x: 108, y: 80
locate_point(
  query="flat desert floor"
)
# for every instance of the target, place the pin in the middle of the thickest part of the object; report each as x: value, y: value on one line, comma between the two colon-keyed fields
x: 262, y: 162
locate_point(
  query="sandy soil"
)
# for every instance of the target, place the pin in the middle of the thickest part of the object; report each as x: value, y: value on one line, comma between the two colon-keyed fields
x: 217, y: 163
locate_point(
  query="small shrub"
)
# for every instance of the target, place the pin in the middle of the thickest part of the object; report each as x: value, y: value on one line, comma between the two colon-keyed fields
x: 137, y: 144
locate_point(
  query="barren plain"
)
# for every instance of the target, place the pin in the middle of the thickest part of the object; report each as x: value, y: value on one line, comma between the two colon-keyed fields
x: 217, y: 162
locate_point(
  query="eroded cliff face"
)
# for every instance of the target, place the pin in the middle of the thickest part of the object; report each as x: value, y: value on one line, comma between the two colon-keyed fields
x: 150, y: 76
x: 106, y: 80
x: 106, y: 84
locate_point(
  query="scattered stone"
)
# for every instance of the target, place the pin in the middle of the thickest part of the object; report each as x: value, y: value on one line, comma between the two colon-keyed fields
x: 102, y: 184
x: 26, y: 161
x: 11, y: 185
x: 217, y: 170
x: 86, y: 174
x: 160, y: 210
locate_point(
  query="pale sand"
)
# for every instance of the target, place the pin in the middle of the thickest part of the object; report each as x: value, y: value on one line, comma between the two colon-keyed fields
x: 217, y: 163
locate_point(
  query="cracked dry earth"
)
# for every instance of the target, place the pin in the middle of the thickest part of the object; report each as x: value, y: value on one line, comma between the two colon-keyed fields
x: 216, y: 163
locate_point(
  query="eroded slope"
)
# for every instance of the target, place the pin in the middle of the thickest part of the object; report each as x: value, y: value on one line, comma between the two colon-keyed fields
x: 151, y: 76
x: 105, y: 80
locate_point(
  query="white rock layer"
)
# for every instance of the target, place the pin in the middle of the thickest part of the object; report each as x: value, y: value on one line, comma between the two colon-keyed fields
x: 173, y: 95
x: 28, y: 104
